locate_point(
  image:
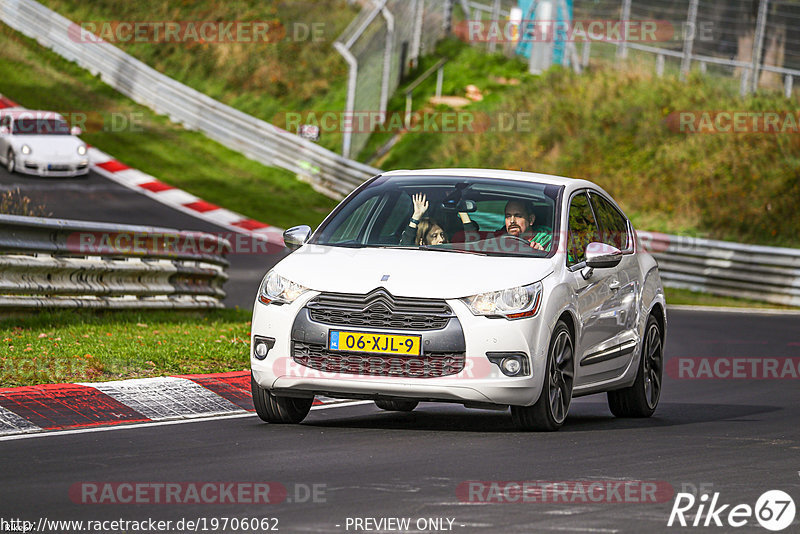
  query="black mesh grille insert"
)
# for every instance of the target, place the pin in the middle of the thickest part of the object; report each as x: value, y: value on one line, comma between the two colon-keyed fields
x: 317, y: 356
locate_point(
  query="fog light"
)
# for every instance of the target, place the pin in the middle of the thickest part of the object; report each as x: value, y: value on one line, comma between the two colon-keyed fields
x: 511, y: 366
x: 262, y: 346
x: 511, y: 363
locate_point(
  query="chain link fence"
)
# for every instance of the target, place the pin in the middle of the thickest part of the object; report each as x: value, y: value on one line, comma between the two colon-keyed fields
x: 755, y: 42
x: 381, y: 45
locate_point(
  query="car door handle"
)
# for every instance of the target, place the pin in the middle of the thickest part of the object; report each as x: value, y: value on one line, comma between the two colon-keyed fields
x: 614, y: 284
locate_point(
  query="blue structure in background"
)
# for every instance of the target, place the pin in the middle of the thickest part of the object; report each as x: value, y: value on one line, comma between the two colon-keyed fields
x: 563, y: 13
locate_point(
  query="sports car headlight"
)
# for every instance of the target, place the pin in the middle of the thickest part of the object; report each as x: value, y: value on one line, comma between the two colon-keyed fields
x: 512, y: 303
x: 82, y: 150
x: 279, y: 290
x: 26, y: 149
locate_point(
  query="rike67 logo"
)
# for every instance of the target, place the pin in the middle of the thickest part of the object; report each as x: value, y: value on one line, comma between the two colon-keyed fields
x: 774, y: 510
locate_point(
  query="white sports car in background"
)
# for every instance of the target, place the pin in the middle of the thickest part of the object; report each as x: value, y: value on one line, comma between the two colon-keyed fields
x: 481, y: 287
x: 41, y: 143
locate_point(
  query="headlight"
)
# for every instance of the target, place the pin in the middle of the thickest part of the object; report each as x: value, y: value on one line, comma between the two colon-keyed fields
x: 26, y: 149
x: 512, y: 303
x: 82, y: 150
x: 275, y: 288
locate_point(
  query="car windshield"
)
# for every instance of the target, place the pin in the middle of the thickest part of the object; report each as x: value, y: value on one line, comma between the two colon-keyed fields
x: 463, y: 214
x: 31, y: 126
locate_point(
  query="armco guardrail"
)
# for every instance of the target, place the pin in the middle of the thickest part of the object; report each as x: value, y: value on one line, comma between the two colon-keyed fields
x: 54, y: 263
x: 767, y: 274
x: 328, y: 172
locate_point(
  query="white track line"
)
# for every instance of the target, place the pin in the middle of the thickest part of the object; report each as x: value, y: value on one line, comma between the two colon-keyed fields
x: 161, y: 423
x: 727, y: 309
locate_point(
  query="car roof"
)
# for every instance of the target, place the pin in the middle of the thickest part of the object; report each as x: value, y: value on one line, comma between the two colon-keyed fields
x: 500, y: 174
x: 30, y: 113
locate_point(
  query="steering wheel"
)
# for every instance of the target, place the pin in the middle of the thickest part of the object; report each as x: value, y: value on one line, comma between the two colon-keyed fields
x: 521, y: 240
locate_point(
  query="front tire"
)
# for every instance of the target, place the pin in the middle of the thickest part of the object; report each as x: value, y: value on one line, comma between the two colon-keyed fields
x: 641, y: 399
x: 274, y: 409
x: 11, y: 162
x: 550, y: 411
x: 396, y: 405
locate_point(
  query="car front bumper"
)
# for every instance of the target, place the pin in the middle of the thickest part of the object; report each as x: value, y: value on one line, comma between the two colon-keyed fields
x: 479, y: 382
x: 54, y: 169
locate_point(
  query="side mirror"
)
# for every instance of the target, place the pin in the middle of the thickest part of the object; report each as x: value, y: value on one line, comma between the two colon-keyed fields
x: 602, y: 256
x: 4, y: 130
x: 75, y: 131
x: 296, y: 236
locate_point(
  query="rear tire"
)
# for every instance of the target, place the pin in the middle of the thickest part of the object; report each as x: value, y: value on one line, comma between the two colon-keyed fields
x: 641, y: 399
x: 274, y: 409
x: 550, y: 411
x: 396, y: 405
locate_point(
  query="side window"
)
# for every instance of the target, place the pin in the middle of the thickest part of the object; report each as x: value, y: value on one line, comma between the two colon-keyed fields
x: 612, y: 222
x: 350, y: 228
x: 582, y: 229
x: 5, y: 121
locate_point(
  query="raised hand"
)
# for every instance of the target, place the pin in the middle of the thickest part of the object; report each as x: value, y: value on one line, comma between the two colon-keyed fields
x: 420, y: 205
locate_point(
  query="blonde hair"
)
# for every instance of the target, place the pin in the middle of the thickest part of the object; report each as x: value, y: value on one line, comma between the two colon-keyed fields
x: 424, y: 228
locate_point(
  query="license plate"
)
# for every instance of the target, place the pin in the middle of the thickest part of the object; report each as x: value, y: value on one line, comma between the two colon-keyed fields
x: 375, y: 343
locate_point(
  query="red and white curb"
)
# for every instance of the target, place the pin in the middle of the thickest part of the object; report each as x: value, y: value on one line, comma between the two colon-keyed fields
x: 73, y: 406
x: 112, y: 169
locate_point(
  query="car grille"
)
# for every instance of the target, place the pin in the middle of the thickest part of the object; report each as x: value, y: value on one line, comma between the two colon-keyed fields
x: 317, y: 356
x: 379, y: 309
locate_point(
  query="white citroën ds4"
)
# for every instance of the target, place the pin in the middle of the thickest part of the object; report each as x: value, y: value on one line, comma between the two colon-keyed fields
x: 480, y: 287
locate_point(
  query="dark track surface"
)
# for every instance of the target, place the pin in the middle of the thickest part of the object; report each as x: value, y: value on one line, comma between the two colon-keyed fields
x: 737, y: 437
x: 95, y: 198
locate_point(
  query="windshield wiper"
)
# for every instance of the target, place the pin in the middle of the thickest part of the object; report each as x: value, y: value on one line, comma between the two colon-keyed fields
x: 427, y: 247
x: 458, y: 250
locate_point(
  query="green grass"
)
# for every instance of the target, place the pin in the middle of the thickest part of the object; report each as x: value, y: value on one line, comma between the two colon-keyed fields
x: 687, y: 297
x: 614, y: 126
x: 265, y: 80
x: 38, y: 78
x: 76, y: 346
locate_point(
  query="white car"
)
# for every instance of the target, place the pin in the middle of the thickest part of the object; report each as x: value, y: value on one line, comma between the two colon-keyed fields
x: 514, y: 289
x: 41, y: 143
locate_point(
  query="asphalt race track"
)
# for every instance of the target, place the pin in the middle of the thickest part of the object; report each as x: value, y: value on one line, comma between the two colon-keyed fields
x: 736, y: 437
x: 94, y: 198
x: 732, y: 436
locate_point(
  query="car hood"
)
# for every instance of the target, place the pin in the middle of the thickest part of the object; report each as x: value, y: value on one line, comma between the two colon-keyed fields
x: 49, y: 145
x: 410, y: 273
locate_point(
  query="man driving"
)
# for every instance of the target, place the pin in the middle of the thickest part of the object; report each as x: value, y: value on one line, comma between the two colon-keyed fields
x: 519, y: 223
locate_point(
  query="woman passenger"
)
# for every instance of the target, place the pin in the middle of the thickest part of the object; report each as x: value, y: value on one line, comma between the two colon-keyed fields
x: 422, y: 231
